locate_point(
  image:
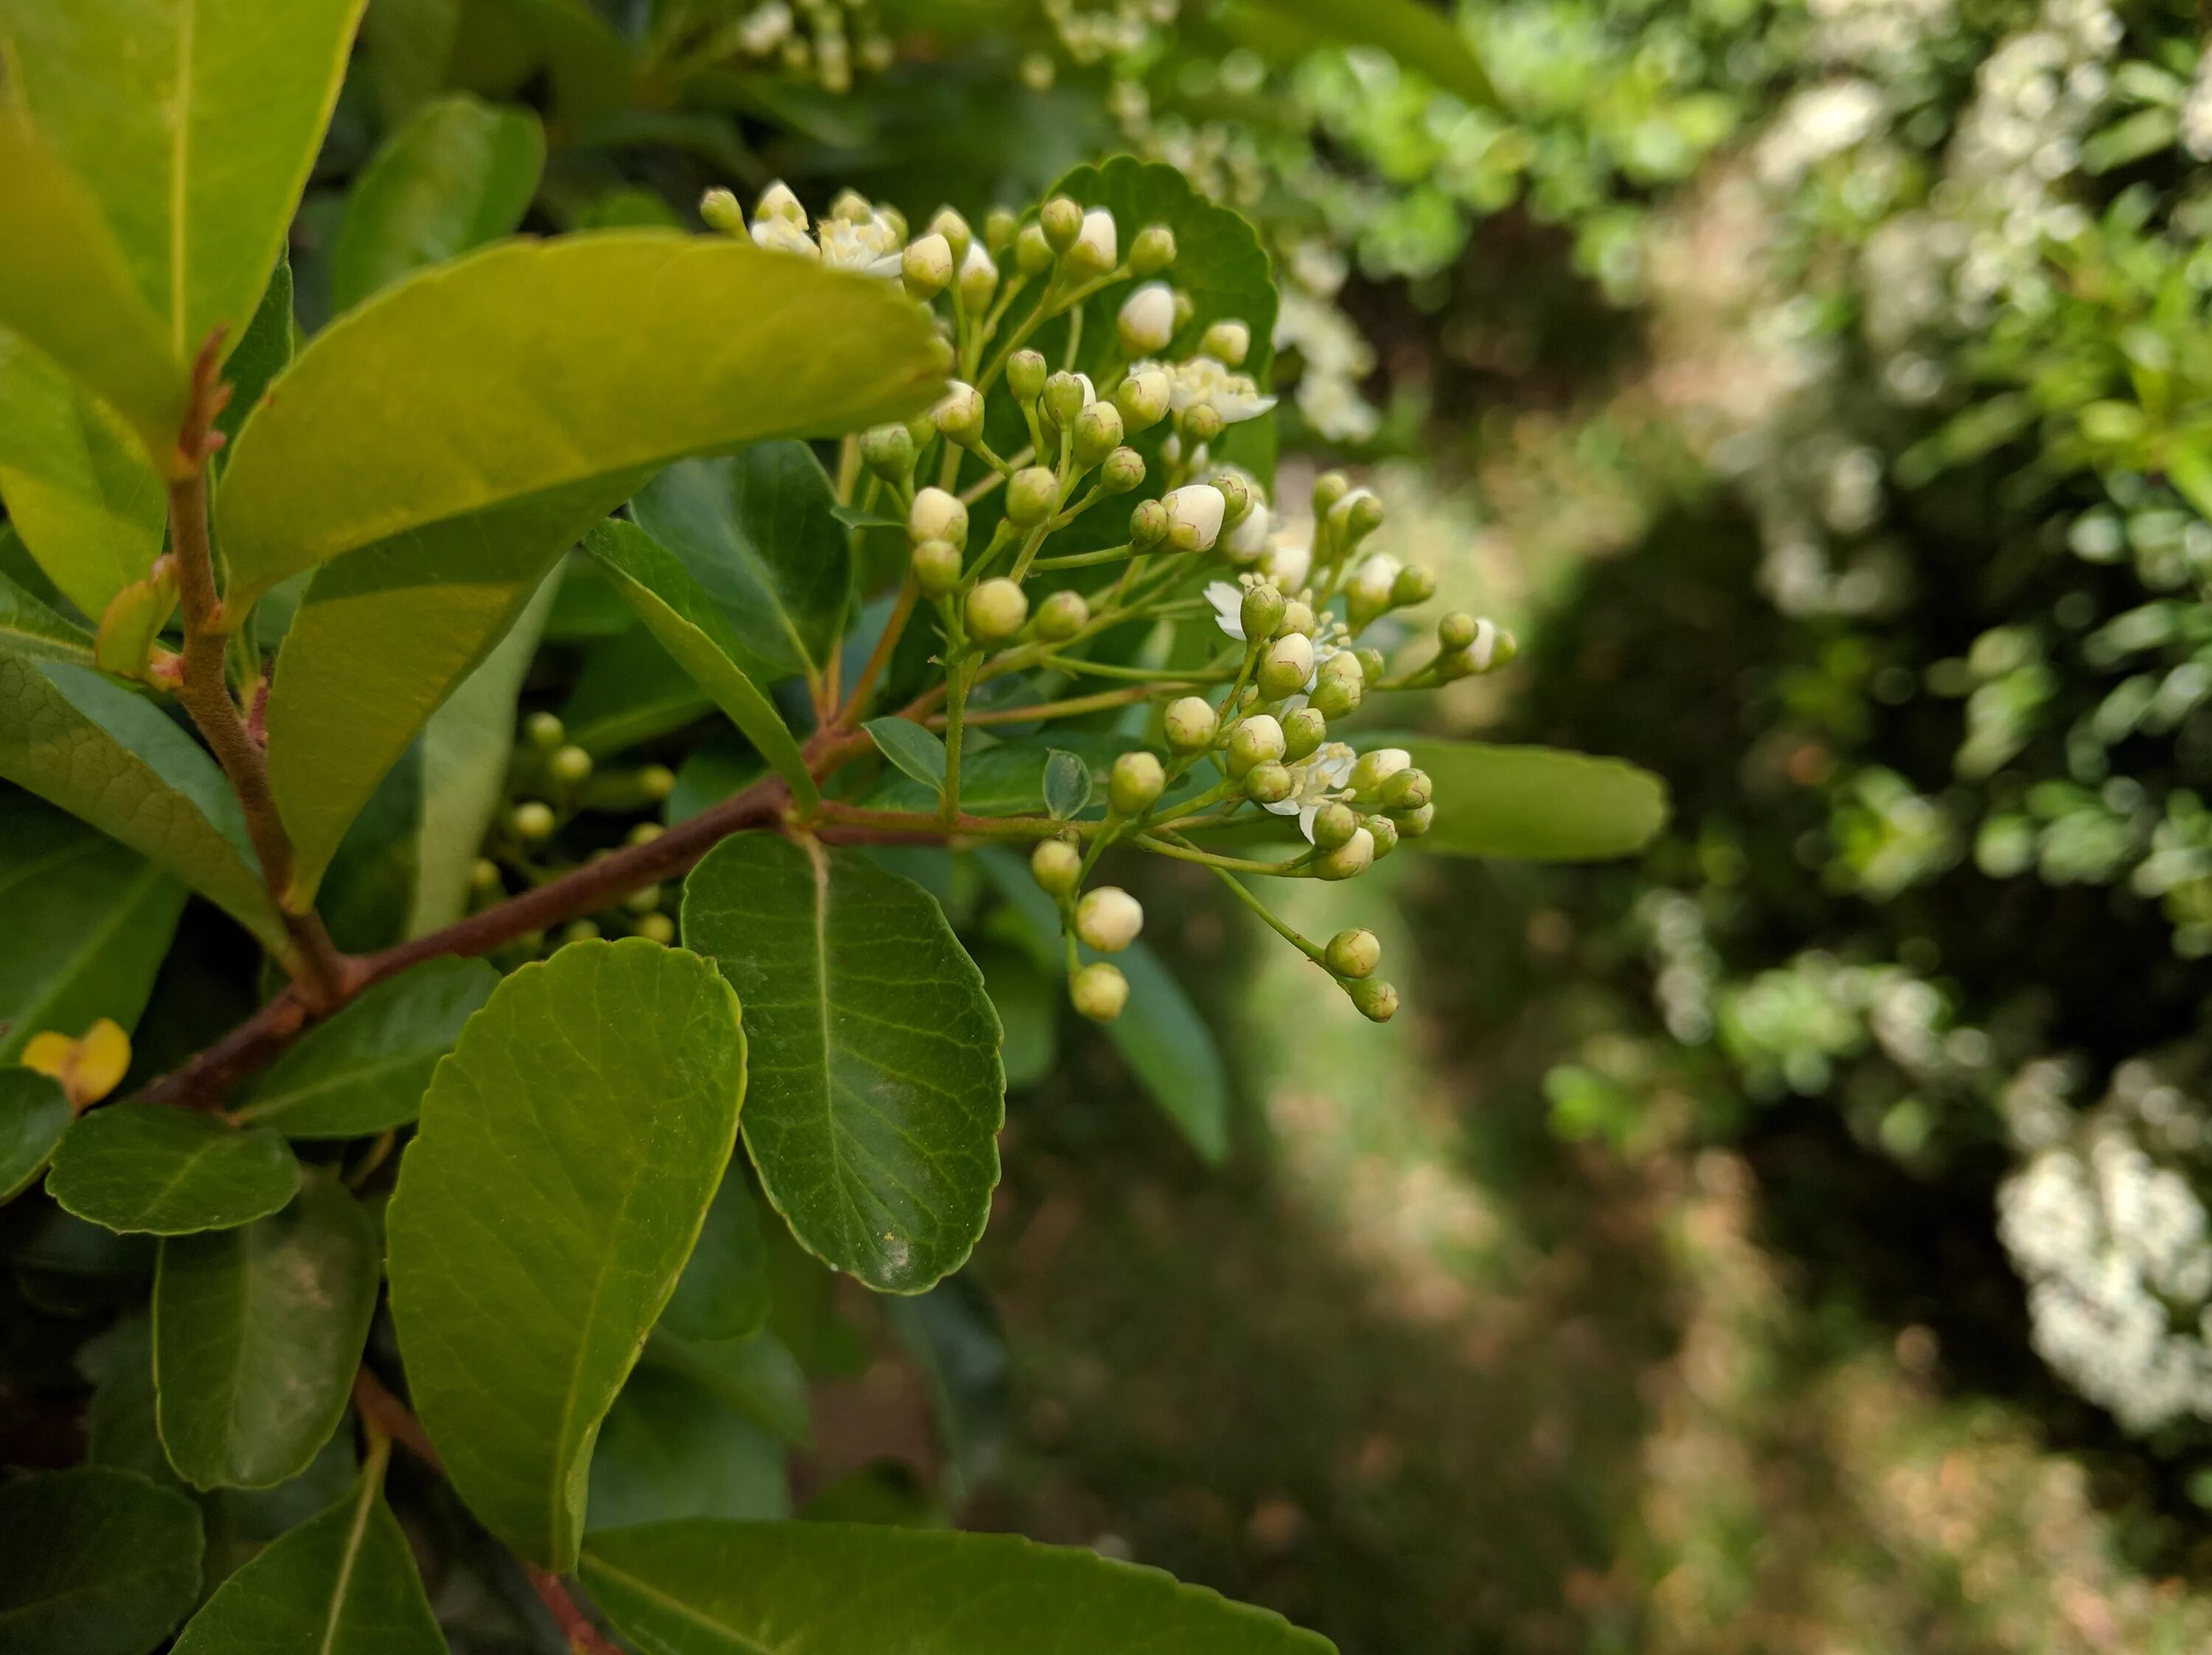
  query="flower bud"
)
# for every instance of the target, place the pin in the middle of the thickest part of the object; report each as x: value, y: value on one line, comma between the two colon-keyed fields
x: 1385, y: 832
x: 580, y: 931
x: 1098, y: 434
x: 1227, y: 342
x: 1148, y: 525
x: 1032, y: 496
x: 1056, y: 865
x: 1416, y: 584
x: 958, y: 238
x: 852, y: 206
x: 1260, y: 613
x: 1194, y: 516
x: 1334, y: 825
x: 1108, y: 919
x: 1147, y: 320
x: 1153, y: 250
x: 1341, y: 685
x: 1201, y: 423
x: 1285, y: 667
x: 1236, y: 498
x: 1257, y: 741
x: 1123, y: 469
x: 937, y: 515
x: 888, y: 451
x: 1407, y: 789
x: 484, y: 878
x: 1375, y: 767
x: 1061, y: 220
x: 1367, y: 593
x: 1061, y: 615
x: 937, y: 566
x: 656, y: 781
x: 1032, y: 251
x: 643, y: 901
x: 1143, y: 399
x: 1329, y: 488
x: 926, y: 267
x: 1413, y: 823
x: 1349, y: 859
x: 979, y: 278
x: 544, y: 730
x: 1456, y: 631
x: 1297, y: 617
x: 1067, y: 395
x: 1026, y: 375
x: 1098, y: 991
x: 1269, y: 784
x: 1371, y: 664
x: 1096, y: 248
x: 1000, y: 227
x: 1354, y: 953
x: 1356, y: 516
x: 1377, y: 1002
x: 1135, y: 782
x: 1304, y: 731
x: 1186, y: 308
x: 1191, y: 724
x: 777, y: 204
x: 532, y: 820
x: 644, y: 833
x: 720, y: 210
x: 571, y: 764
x: 996, y: 610
x: 960, y: 414
x: 657, y: 928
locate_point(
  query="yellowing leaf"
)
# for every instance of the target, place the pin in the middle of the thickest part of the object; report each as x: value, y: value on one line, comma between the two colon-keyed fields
x: 89, y: 1067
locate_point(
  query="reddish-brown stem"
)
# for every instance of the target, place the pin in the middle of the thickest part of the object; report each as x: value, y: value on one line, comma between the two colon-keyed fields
x: 584, y: 1638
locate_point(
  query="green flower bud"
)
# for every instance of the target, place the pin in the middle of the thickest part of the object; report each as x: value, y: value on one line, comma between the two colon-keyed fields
x: 1349, y: 859
x: 656, y: 782
x: 1285, y: 667
x: 1108, y: 919
x: 580, y: 931
x: 996, y: 610
x: 532, y: 820
x: 1032, y: 496
x: 1375, y: 767
x: 1257, y: 741
x: 960, y: 415
x: 958, y: 238
x: 1334, y: 825
x: 1236, y: 498
x: 571, y: 764
x: 1185, y: 309
x: 888, y: 451
x: 1341, y: 685
x: 1061, y: 615
x: 544, y: 730
x: 1329, y: 488
x: 1135, y: 782
x: 1377, y: 1002
x: 1143, y: 399
x: 1153, y: 250
x: 937, y: 566
x: 1026, y: 375
x: 1056, y: 865
x: 1096, y: 248
x: 1371, y: 665
x: 1456, y: 631
x: 1148, y: 525
x: 1147, y: 321
x: 657, y: 928
x: 1098, y: 991
x: 1097, y: 434
x: 1269, y: 784
x: 1032, y: 251
x: 1491, y: 648
x: 1062, y: 219
x: 1227, y: 342
x: 979, y: 279
x: 1413, y: 823
x: 1123, y: 469
x: 644, y: 901
x: 1355, y: 517
x: 926, y: 267
x: 1066, y: 395
x: 852, y: 206
x: 1354, y: 953
x: 1304, y: 731
x: 1297, y: 617
x: 937, y: 515
x: 1191, y: 724
x: 720, y: 210
x: 645, y: 833
x: 1201, y: 423
x: 1406, y: 789
x: 484, y: 876
x: 1416, y: 584
x: 1260, y: 613
x: 921, y: 428
x: 1000, y: 227
x: 1385, y: 832
x: 1367, y: 593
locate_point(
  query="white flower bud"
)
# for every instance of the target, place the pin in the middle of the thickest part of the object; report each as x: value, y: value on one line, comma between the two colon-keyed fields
x: 1227, y: 342
x: 1135, y: 782
x: 1258, y: 740
x: 1249, y: 538
x: 1288, y: 565
x: 1147, y: 320
x: 1108, y: 919
x: 937, y: 515
x: 1367, y: 594
x: 1194, y: 516
x: 1349, y: 859
x: 1287, y: 666
x: 1376, y: 766
x: 1099, y: 991
x: 1061, y: 615
x: 925, y: 266
x: 997, y: 609
x: 1098, y: 245
x: 1144, y: 398
x: 778, y: 204
x: 954, y: 228
x: 959, y: 415
x: 1191, y: 724
x: 1056, y: 865
x: 979, y: 278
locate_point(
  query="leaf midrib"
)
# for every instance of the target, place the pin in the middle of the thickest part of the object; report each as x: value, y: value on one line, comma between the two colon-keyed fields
x: 698, y: 1618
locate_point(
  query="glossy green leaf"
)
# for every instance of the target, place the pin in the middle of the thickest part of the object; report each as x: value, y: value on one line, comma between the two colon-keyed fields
x: 112, y: 760
x: 193, y: 124
x: 699, y: 637
x: 1423, y: 40
x: 257, y: 1332
x: 151, y: 1168
x: 460, y: 174
x: 876, y: 1092
x: 364, y: 1070
x: 342, y: 1583
x: 724, y: 1291
x: 672, y: 1448
x: 759, y: 531
x: 630, y: 690
x: 708, y: 1588
x: 1539, y: 803
x: 567, y: 1151
x: 572, y: 367
x: 1066, y: 784
x: 99, y: 1562
x: 758, y: 1375
x: 31, y: 627
x: 920, y: 753
x: 89, y: 922
x: 264, y: 351
x: 35, y: 1112
x: 76, y: 480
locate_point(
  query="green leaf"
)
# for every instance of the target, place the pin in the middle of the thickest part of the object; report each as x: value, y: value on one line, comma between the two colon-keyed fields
x: 572, y: 367
x: 630, y: 691
x: 151, y: 1168
x: 30, y: 627
x: 100, y: 1562
x: 460, y: 174
x: 264, y: 351
x: 257, y: 1333
x: 567, y: 1150
x: 35, y: 1112
x: 708, y: 1588
x: 724, y: 1291
x: 878, y: 1095
x: 759, y: 531
x: 1066, y: 784
x: 1538, y: 803
x: 1423, y: 40
x: 89, y: 922
x: 364, y: 1071
x: 920, y: 753
x: 758, y: 1375
x: 76, y: 480
x: 112, y: 760
x: 193, y: 124
x: 342, y: 1583
x: 672, y: 1448
x: 700, y: 640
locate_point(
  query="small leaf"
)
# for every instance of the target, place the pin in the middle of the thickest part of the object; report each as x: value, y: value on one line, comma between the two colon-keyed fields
x: 457, y: 175
x: 365, y: 1070
x: 706, y: 1588
x: 758, y: 1376
x: 874, y: 1117
x: 672, y: 1448
x: 100, y: 1562
x: 28, y: 627
x: 35, y: 1112
x: 1066, y: 785
x: 1539, y: 803
x: 700, y: 639
x: 151, y: 1168
x: 133, y: 622
x: 257, y: 1332
x: 342, y: 1583
x: 574, y: 367
x: 724, y: 1291
x: 567, y: 1150
x: 920, y: 753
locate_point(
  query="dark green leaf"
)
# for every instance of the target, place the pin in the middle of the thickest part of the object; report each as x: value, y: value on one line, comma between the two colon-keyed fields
x: 261, y: 354
x: 364, y: 1070
x: 724, y: 1291
x: 631, y: 690
x: 917, y: 751
x: 706, y: 1588
x: 99, y: 1562
x: 758, y: 1376
x: 1066, y: 784
x: 875, y: 1113
x: 567, y: 1151
x: 672, y: 1448
x: 35, y: 1112
x: 150, y: 1168
x: 1538, y: 803
x: 257, y: 1333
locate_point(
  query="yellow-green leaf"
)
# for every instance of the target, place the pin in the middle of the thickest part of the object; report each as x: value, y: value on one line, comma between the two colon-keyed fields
x: 1538, y: 803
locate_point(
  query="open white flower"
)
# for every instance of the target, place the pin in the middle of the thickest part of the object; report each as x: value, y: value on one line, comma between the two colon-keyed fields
x: 781, y: 236
x: 871, y: 246
x: 1203, y: 381
x: 1318, y: 779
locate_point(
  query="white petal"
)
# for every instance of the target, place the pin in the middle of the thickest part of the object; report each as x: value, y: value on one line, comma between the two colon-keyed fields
x: 1306, y: 814
x: 1228, y: 603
